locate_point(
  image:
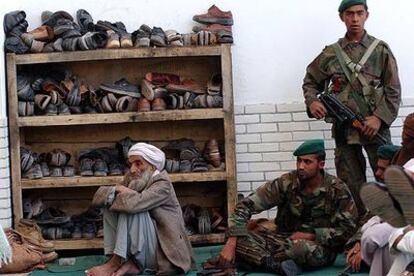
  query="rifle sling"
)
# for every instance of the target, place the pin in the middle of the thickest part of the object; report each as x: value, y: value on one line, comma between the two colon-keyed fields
x: 352, y: 72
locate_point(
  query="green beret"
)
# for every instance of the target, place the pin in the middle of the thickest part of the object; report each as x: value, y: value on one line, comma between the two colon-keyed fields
x: 310, y: 147
x: 349, y: 3
x: 387, y: 152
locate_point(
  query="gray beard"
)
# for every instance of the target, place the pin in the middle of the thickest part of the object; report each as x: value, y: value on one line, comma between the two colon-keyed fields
x: 141, y: 182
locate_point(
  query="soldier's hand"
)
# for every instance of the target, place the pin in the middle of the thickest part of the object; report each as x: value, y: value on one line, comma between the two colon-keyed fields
x: 371, y: 126
x: 302, y: 236
x: 228, y: 253
x: 317, y: 109
x: 354, y: 257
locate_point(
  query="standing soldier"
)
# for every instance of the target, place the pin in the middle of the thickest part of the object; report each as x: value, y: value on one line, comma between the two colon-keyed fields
x: 361, y: 72
x: 316, y: 216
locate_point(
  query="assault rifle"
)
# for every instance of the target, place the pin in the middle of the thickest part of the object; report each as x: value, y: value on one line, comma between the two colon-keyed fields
x: 343, y: 114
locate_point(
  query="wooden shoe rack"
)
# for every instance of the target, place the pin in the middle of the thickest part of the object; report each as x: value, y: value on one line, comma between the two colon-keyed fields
x: 75, y: 132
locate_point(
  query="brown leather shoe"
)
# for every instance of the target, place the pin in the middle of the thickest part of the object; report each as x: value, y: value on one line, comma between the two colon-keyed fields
x: 32, y: 233
x: 43, y: 33
x: 215, y: 15
x: 23, y: 257
x: 158, y: 104
x: 144, y: 105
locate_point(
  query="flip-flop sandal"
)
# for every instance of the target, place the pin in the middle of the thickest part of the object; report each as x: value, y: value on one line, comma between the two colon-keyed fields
x: 380, y: 203
x: 401, y: 187
x: 64, y: 109
x: 26, y: 159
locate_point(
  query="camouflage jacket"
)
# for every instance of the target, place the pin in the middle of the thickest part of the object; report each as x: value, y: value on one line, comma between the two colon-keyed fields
x: 380, y: 71
x: 329, y: 213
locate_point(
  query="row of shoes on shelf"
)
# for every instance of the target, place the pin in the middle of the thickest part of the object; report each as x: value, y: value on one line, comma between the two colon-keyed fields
x: 183, y: 156
x: 54, y: 224
x: 58, y: 92
x: 202, y: 220
x: 59, y: 32
x: 92, y: 162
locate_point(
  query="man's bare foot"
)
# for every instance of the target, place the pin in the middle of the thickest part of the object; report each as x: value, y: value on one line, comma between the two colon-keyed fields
x: 127, y: 267
x: 107, y: 268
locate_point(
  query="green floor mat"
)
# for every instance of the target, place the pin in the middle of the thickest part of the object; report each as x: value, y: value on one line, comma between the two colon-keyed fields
x: 201, y: 254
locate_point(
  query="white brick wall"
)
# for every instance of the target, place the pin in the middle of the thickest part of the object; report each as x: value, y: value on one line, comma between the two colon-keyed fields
x: 5, y: 192
x: 267, y: 134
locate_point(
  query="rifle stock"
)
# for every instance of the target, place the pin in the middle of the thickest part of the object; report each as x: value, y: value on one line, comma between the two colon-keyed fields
x: 342, y: 113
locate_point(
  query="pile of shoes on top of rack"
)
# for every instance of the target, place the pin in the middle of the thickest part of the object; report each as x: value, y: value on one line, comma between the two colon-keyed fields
x: 53, y: 223
x: 60, y: 32
x: 56, y: 91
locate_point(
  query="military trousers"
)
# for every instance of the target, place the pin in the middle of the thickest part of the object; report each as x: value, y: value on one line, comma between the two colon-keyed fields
x: 258, y: 244
x: 351, y: 168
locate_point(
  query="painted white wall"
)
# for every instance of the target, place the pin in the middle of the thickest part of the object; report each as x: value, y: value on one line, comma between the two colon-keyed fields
x: 274, y: 40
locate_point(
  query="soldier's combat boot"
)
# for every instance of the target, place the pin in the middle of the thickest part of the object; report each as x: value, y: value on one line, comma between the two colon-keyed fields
x: 285, y: 268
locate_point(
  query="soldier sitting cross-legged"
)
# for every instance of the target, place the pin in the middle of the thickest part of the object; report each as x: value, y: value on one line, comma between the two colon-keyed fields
x: 316, y: 215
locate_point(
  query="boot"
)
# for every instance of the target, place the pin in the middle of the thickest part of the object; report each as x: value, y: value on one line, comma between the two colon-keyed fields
x: 31, y: 232
x: 284, y: 268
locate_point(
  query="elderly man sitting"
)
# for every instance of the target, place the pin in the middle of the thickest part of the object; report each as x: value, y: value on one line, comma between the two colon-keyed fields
x: 143, y: 223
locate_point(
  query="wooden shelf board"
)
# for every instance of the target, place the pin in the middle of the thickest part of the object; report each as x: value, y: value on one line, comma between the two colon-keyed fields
x: 126, y: 117
x: 79, y: 181
x: 71, y: 244
x: 110, y: 54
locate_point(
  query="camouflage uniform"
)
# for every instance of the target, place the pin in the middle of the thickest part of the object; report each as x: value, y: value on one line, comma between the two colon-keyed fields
x: 381, y: 73
x: 329, y: 213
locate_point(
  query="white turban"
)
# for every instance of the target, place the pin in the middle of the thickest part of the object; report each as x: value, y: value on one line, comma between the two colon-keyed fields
x: 151, y: 154
x: 409, y: 166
